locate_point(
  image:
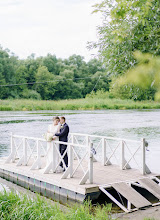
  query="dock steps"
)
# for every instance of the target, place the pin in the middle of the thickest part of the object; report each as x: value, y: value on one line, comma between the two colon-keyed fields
x: 151, y: 186
x: 131, y: 195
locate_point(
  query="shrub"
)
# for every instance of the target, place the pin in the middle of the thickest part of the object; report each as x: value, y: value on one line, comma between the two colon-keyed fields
x: 31, y: 94
x: 122, y: 90
x: 100, y: 94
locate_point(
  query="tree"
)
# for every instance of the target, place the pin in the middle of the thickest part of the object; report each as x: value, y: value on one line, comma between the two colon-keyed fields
x: 50, y: 61
x: 8, y: 65
x: 127, y: 26
x: 44, y: 84
x: 20, y: 74
x: 145, y: 76
x: 31, y: 65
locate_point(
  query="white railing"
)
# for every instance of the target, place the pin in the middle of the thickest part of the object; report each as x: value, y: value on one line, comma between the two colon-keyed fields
x: 82, y: 150
x: 109, y: 150
x: 33, y: 151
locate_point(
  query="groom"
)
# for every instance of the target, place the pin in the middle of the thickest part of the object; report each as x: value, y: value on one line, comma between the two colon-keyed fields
x: 63, y: 136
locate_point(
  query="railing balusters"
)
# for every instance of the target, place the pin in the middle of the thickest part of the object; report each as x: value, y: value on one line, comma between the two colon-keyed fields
x: 108, y: 152
x: 38, y: 154
x: 103, y: 151
x: 143, y: 156
x: 25, y: 151
x: 122, y: 155
x: 90, y: 164
x: 71, y: 157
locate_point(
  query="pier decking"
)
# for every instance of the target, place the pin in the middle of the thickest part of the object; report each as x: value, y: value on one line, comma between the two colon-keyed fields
x: 90, y: 179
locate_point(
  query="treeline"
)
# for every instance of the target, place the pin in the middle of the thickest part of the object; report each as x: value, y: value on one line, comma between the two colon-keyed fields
x: 128, y: 43
x: 49, y: 77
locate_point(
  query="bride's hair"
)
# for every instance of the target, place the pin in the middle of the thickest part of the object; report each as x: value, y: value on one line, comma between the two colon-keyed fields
x: 56, y: 118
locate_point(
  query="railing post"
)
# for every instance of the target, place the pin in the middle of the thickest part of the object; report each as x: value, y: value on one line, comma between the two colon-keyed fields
x: 90, y: 165
x: 143, y: 171
x: 72, y: 139
x: 87, y: 140
x: 54, y: 146
x: 13, y: 150
x: 38, y: 155
x: 70, y: 151
x: 25, y: 151
x: 122, y: 155
x: 103, y: 151
x: 71, y: 155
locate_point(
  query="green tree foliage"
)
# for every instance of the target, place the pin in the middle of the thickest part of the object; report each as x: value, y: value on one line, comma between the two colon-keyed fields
x: 7, y: 73
x: 47, y: 89
x: 127, y: 26
x: 50, y: 78
x: 143, y: 80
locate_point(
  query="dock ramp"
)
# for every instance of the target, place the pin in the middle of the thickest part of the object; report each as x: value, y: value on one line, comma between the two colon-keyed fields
x: 151, y: 186
x: 134, y: 198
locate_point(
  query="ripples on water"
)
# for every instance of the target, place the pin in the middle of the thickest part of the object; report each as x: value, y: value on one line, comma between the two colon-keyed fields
x: 131, y: 124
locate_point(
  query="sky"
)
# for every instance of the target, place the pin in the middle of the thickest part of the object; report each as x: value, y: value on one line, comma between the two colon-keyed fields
x: 60, y: 27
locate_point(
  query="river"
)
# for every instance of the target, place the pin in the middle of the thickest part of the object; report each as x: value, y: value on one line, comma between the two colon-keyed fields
x: 129, y: 124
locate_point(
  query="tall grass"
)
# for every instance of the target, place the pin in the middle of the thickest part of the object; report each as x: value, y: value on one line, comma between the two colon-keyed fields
x: 88, y: 103
x: 13, y: 207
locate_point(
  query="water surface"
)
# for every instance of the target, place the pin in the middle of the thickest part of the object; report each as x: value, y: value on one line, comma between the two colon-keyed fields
x: 131, y: 124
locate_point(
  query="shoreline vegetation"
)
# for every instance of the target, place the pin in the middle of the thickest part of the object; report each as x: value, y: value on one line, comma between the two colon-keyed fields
x: 89, y: 103
x: 18, y: 206
x: 21, y: 206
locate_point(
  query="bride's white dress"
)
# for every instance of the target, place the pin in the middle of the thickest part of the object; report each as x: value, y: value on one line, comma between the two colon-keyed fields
x: 52, y: 154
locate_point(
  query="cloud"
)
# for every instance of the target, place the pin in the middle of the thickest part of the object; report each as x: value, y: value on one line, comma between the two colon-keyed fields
x: 60, y: 27
x: 7, y: 3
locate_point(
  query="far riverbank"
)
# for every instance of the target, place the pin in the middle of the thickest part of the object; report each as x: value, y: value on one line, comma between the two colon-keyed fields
x: 75, y: 104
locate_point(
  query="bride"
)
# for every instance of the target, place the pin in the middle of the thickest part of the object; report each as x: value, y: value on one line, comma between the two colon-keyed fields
x: 51, y: 151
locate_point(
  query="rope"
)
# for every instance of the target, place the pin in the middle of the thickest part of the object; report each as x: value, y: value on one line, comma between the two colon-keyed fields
x: 31, y: 83
x: 96, y: 84
x: 120, y: 198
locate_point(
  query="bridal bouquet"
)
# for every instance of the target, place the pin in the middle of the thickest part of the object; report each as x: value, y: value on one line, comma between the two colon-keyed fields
x: 48, y: 136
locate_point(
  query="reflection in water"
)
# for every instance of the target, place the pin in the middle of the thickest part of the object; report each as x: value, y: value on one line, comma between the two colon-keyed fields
x: 129, y: 124
x: 144, y: 131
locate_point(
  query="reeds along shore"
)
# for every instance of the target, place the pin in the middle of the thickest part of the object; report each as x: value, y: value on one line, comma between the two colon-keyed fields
x: 17, y: 206
x: 75, y: 104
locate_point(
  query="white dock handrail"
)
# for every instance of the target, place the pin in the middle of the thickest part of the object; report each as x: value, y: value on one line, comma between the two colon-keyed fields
x: 37, y: 150
x: 126, y: 153
x: 86, y: 149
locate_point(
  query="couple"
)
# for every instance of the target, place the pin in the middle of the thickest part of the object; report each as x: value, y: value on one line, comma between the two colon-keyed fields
x: 60, y: 130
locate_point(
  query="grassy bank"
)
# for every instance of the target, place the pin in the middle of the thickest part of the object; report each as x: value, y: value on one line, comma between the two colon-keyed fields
x: 76, y: 104
x: 20, y: 207
x: 13, y: 206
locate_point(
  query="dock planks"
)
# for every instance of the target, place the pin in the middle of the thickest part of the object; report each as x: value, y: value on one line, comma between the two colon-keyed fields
x: 102, y: 175
x: 131, y: 195
x: 151, y: 186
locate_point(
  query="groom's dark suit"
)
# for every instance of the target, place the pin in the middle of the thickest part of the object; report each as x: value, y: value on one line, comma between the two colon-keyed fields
x: 63, y: 136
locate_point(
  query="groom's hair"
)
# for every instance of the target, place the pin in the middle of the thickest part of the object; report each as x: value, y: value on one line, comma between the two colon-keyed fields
x: 56, y: 118
x: 63, y: 118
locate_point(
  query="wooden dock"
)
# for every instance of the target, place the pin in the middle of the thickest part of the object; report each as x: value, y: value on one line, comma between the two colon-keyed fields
x: 85, y: 177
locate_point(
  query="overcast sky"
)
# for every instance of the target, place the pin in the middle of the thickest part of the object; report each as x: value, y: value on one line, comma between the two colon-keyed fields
x: 60, y: 27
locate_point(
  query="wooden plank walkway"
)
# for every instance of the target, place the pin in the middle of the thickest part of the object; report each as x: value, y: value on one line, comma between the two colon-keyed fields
x: 103, y: 175
x: 106, y: 176
x: 131, y: 195
x: 151, y: 186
